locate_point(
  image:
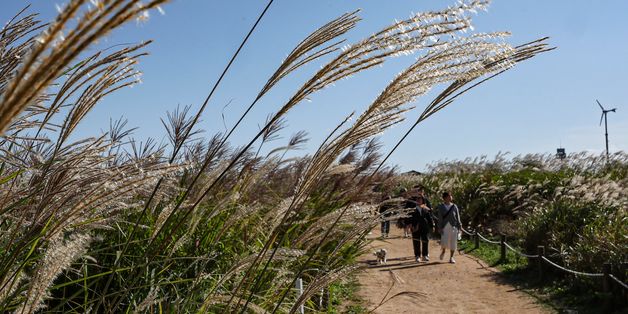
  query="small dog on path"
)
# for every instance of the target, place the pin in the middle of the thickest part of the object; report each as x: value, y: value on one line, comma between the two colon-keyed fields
x: 381, y: 256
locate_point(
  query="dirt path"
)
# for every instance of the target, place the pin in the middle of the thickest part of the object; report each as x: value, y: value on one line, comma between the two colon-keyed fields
x: 469, y: 286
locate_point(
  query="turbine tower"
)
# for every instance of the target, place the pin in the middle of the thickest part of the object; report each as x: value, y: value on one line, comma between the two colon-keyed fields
x: 604, y: 112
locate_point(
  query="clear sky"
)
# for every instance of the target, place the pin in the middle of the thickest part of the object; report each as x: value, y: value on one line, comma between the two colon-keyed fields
x: 541, y: 104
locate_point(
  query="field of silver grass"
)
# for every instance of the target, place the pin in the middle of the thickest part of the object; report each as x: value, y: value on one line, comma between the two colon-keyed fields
x: 576, y: 207
x: 110, y: 223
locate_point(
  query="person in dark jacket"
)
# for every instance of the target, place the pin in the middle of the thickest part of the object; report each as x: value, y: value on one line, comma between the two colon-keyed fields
x: 421, y: 193
x: 422, y: 223
x: 384, y: 213
x: 406, y: 223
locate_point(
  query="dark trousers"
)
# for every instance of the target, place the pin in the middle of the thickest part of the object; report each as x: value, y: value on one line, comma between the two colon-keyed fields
x: 420, y: 243
x: 385, y: 226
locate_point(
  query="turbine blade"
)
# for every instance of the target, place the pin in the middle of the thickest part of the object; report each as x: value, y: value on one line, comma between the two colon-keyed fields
x: 602, y: 117
x: 613, y: 110
x: 598, y: 102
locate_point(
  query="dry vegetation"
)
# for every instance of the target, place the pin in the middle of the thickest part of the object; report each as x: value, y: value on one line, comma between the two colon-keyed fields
x: 575, y: 207
x: 111, y: 224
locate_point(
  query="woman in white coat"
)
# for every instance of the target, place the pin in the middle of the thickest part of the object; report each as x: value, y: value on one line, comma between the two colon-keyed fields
x: 449, y: 225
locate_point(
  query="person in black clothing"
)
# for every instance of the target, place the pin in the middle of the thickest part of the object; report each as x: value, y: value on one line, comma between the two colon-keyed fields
x: 422, y: 223
x: 421, y: 193
x: 385, y: 223
x: 406, y: 223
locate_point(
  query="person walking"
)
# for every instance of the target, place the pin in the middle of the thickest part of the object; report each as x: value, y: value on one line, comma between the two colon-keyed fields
x: 384, y: 214
x: 449, y: 225
x: 406, y: 223
x: 421, y: 193
x: 422, y: 224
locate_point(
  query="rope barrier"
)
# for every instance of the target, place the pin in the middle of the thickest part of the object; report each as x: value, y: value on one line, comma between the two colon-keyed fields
x: 571, y: 271
x: 625, y: 286
x: 487, y: 240
x: 618, y: 281
x: 597, y: 275
x: 467, y: 232
x: 517, y: 251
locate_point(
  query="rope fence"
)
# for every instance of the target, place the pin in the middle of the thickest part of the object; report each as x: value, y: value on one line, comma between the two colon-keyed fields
x: 618, y: 281
x: 577, y: 273
x: 521, y: 254
x: 465, y: 231
x: 487, y: 240
x: 607, y: 276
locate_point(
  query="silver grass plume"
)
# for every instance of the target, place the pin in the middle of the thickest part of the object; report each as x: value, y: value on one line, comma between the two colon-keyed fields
x: 58, y: 257
x: 55, y: 49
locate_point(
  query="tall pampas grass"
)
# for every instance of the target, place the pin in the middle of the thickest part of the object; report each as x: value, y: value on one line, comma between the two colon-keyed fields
x: 113, y: 223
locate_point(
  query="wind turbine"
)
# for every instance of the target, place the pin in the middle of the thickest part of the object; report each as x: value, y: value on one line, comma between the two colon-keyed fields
x: 604, y: 112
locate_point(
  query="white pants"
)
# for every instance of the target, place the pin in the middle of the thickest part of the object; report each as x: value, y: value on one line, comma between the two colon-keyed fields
x: 449, y: 238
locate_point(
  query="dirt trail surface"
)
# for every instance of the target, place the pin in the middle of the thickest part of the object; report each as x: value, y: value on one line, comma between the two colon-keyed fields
x: 469, y: 286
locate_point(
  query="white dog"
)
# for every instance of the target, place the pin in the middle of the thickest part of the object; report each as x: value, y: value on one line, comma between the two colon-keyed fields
x: 381, y: 256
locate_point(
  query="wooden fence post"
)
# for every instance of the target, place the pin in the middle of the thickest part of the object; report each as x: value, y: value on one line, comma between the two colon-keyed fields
x: 541, y: 252
x: 606, y: 283
x: 622, y: 276
x: 476, y: 237
x: 502, y: 245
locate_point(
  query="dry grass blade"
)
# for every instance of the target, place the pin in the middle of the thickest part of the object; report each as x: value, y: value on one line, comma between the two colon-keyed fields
x: 418, y: 296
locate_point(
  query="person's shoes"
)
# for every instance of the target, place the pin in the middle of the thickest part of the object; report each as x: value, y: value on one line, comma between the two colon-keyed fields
x: 418, y: 259
x: 452, y: 260
x: 426, y: 258
x: 442, y: 255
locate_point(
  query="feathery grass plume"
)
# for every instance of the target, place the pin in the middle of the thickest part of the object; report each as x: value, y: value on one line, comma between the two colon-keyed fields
x: 308, y: 49
x: 91, y: 78
x: 284, y: 254
x: 54, y: 50
x: 16, y: 40
x: 447, y: 63
x: 229, y: 209
x: 180, y: 127
x: 382, y: 114
x: 304, y: 53
x: 58, y: 188
x: 424, y: 30
x: 420, y: 31
x: 296, y: 142
x: 57, y: 257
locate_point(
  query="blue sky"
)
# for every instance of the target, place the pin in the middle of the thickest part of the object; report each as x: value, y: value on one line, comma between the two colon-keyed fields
x: 541, y: 104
